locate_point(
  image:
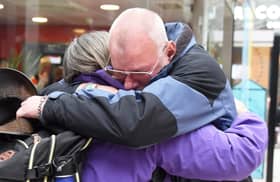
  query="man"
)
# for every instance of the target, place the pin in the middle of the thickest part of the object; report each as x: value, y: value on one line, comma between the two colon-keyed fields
x: 143, y: 58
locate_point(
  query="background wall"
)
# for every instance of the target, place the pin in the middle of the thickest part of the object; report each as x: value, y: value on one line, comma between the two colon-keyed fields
x: 13, y: 37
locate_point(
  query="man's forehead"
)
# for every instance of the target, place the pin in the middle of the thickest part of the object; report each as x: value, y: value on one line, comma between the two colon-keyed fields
x: 127, y: 59
x: 134, y: 60
x: 129, y: 34
x: 133, y: 50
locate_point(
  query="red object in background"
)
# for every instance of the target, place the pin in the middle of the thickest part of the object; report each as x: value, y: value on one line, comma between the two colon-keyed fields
x: 34, y: 80
x: 14, y: 36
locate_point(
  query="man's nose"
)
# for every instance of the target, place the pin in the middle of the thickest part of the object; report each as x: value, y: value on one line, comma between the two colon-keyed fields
x: 129, y: 83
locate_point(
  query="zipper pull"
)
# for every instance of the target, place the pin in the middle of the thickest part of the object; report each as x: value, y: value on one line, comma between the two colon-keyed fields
x: 36, y: 138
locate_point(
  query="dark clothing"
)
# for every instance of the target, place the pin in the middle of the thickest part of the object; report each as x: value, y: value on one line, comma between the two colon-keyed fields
x: 60, y: 86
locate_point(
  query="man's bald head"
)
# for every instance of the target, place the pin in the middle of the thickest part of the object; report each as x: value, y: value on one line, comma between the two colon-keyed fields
x: 134, y: 24
x: 138, y: 43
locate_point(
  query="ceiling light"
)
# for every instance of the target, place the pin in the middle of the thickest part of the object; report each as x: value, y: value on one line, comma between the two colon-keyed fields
x: 110, y: 7
x: 79, y: 30
x: 1, y: 6
x: 39, y: 19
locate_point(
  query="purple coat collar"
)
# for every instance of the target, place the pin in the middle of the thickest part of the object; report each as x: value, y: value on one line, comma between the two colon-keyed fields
x: 100, y: 77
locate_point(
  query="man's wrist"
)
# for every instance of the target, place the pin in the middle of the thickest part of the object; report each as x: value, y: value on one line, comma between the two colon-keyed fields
x: 41, y: 105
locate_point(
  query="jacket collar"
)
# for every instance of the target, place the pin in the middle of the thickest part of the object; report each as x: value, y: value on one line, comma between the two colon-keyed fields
x: 183, y: 36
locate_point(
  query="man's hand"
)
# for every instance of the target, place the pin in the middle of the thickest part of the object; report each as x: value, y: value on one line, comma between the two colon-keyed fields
x: 31, y: 107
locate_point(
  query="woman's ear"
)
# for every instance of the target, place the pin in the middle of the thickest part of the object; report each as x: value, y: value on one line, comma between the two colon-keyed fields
x: 170, y: 49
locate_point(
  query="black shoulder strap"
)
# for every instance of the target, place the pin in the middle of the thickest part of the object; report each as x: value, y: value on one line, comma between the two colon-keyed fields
x: 158, y: 175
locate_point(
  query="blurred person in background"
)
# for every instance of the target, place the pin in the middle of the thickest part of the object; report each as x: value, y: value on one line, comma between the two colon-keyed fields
x: 42, y: 78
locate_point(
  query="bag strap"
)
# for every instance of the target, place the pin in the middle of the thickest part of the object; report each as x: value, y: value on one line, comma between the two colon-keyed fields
x: 38, y: 172
x: 70, y: 164
x: 55, y: 166
x: 158, y: 175
x: 44, y: 170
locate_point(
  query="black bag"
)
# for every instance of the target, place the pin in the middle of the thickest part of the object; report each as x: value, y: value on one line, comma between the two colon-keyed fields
x: 25, y: 156
x: 41, y: 156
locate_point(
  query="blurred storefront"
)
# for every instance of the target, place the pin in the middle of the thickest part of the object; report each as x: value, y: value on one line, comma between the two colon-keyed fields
x: 239, y: 34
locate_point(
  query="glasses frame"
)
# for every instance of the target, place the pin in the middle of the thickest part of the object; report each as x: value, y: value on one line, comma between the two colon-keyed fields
x: 127, y: 73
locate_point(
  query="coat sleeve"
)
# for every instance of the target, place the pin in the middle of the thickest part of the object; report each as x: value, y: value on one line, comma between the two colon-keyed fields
x: 168, y: 107
x: 210, y: 154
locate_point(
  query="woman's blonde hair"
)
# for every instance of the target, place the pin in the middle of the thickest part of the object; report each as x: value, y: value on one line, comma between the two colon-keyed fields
x: 86, y: 54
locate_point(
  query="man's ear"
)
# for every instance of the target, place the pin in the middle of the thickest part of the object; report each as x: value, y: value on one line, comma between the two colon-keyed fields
x: 170, y: 49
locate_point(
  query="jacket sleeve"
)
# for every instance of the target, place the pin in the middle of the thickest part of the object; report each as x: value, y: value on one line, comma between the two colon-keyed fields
x: 210, y: 154
x: 167, y: 107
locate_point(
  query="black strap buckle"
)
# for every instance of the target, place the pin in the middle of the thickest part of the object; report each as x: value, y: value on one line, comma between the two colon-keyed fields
x: 38, y: 172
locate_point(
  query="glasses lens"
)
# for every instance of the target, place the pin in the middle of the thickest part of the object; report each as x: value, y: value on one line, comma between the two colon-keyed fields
x: 116, y: 74
x: 121, y: 75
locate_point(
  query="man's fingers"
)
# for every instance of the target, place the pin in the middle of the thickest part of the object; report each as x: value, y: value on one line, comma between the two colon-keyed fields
x: 23, y: 102
x: 19, y: 113
x: 26, y: 101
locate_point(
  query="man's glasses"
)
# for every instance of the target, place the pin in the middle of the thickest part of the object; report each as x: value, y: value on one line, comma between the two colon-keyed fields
x: 121, y: 74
